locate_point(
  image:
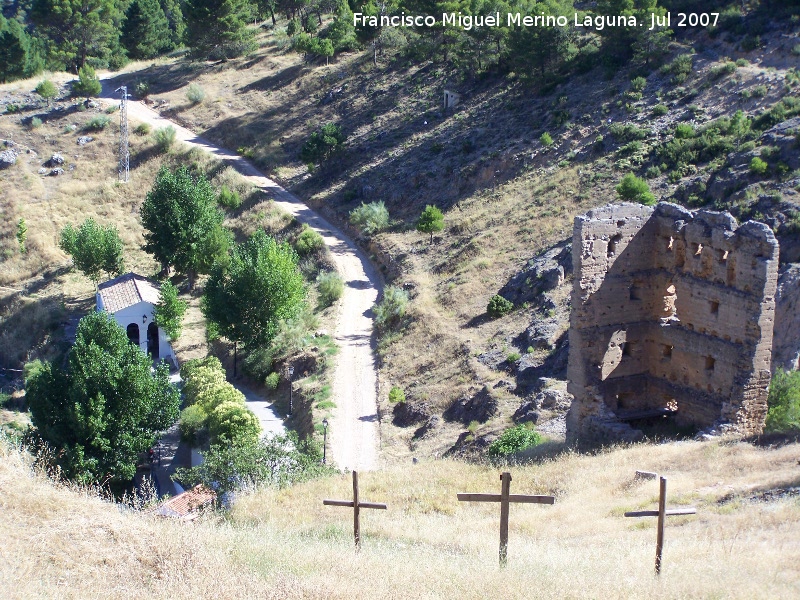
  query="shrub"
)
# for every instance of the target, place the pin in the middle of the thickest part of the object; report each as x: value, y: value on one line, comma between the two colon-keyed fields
x: 652, y: 172
x: 784, y: 401
x: 142, y: 89
x: 370, y: 218
x: 142, y: 129
x: 195, y: 94
x: 514, y: 440
x: 229, y: 198
x: 308, y: 241
x: 321, y: 144
x: 111, y: 109
x: 164, y: 137
x: 97, y: 123
x: 47, y: 90
x: 513, y: 357
x: 546, y: 139
x: 233, y: 422
x: 659, y: 110
x: 330, y: 287
x: 634, y: 189
x: 628, y: 132
x: 272, y: 380
x: 192, y: 421
x: 36, y: 122
x: 396, y: 395
x: 684, y: 131
x: 638, y: 84
x: 88, y: 84
x: 392, y: 308
x: 758, y: 166
x: 498, y: 306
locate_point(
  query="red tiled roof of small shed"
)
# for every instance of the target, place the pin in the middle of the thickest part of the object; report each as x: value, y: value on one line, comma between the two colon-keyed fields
x: 186, y: 505
x: 127, y: 290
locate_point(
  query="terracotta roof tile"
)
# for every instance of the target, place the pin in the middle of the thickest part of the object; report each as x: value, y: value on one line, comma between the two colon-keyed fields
x: 186, y: 505
x: 127, y: 290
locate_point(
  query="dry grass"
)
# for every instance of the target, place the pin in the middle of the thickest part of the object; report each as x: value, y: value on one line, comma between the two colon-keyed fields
x: 63, y: 543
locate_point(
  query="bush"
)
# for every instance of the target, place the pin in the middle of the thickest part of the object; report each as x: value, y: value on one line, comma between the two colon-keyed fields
x: 47, y: 90
x: 142, y: 89
x: 229, y: 198
x: 233, y: 422
x: 638, y: 84
x: 514, y: 440
x: 634, y: 189
x: 330, y: 287
x: 142, y: 129
x: 684, y: 131
x: 659, y: 110
x: 652, y: 172
x: 396, y: 395
x: 546, y: 139
x: 784, y: 402
x: 192, y: 421
x: 321, y: 144
x: 758, y: 166
x: 628, y: 132
x: 308, y: 241
x: 392, y: 308
x: 272, y: 380
x: 195, y: 94
x: 88, y: 84
x: 513, y: 357
x: 498, y: 306
x: 97, y: 123
x: 164, y: 137
x: 36, y: 122
x: 370, y: 218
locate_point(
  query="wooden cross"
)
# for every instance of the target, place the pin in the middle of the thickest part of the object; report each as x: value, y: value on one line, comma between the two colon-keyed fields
x: 356, y: 505
x: 662, y: 513
x: 504, y: 498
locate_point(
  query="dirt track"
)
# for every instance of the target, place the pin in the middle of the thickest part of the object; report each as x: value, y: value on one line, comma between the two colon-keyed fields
x: 353, y: 430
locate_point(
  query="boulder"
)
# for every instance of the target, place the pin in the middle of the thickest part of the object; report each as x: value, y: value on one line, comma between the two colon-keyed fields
x: 542, y: 273
x: 8, y: 158
x: 545, y: 333
x: 410, y: 413
x: 56, y: 172
x: 84, y: 139
x: 481, y: 407
x: 89, y: 103
x: 55, y: 160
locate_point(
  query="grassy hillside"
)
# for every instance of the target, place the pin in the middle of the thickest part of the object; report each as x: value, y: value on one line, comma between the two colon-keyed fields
x: 67, y: 543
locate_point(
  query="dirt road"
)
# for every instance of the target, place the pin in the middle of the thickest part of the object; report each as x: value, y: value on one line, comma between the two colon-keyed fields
x: 353, y: 431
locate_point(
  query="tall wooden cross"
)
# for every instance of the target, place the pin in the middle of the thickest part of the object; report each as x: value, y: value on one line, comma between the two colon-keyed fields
x: 662, y: 513
x: 356, y: 506
x: 504, y: 498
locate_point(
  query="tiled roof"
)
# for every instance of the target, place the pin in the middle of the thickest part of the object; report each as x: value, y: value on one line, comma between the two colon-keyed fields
x: 127, y: 290
x: 186, y: 505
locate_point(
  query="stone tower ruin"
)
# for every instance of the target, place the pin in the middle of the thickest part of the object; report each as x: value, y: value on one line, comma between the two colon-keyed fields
x: 672, y: 312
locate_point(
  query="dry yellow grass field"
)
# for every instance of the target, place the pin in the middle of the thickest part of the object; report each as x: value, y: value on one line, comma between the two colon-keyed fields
x: 743, y: 543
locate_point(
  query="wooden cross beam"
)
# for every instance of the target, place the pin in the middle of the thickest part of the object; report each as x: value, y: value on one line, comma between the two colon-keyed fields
x: 504, y: 498
x: 662, y: 513
x: 356, y: 506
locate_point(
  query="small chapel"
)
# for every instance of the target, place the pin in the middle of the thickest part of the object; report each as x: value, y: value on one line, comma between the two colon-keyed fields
x: 131, y: 299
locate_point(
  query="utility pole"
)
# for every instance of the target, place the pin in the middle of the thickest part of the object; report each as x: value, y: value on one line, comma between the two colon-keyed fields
x: 124, y: 149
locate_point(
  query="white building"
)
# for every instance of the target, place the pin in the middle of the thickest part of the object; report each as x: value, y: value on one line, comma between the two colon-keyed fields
x: 131, y: 300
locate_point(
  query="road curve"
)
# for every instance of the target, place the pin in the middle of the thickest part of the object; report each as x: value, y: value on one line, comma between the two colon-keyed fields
x: 353, y: 430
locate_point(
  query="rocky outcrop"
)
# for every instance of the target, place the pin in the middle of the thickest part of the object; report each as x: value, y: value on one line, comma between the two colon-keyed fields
x: 542, y: 274
x: 786, y: 342
x: 481, y: 407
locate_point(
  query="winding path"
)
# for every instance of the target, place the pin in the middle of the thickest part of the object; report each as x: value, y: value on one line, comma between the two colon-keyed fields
x: 353, y: 433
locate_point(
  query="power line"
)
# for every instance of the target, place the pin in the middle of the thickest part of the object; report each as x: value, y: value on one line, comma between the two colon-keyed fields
x: 124, y: 149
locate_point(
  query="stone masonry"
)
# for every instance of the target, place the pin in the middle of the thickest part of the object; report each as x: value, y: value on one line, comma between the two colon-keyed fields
x: 671, y: 309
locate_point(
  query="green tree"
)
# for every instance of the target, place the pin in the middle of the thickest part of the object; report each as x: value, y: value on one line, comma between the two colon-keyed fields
x: 498, y: 306
x: 22, y: 235
x: 93, y: 249
x: 145, y: 31
x: 170, y: 310
x: 635, y: 189
x: 260, y: 287
x: 88, y: 83
x: 430, y: 221
x: 539, y: 51
x: 784, y: 401
x: 322, y: 143
x: 370, y: 33
x: 105, y: 409
x: 218, y: 28
x: 19, y: 53
x: 183, y: 223
x: 514, y: 440
x: 47, y: 90
x: 77, y: 30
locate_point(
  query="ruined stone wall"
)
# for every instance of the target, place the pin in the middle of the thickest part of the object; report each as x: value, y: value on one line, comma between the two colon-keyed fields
x: 670, y: 308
